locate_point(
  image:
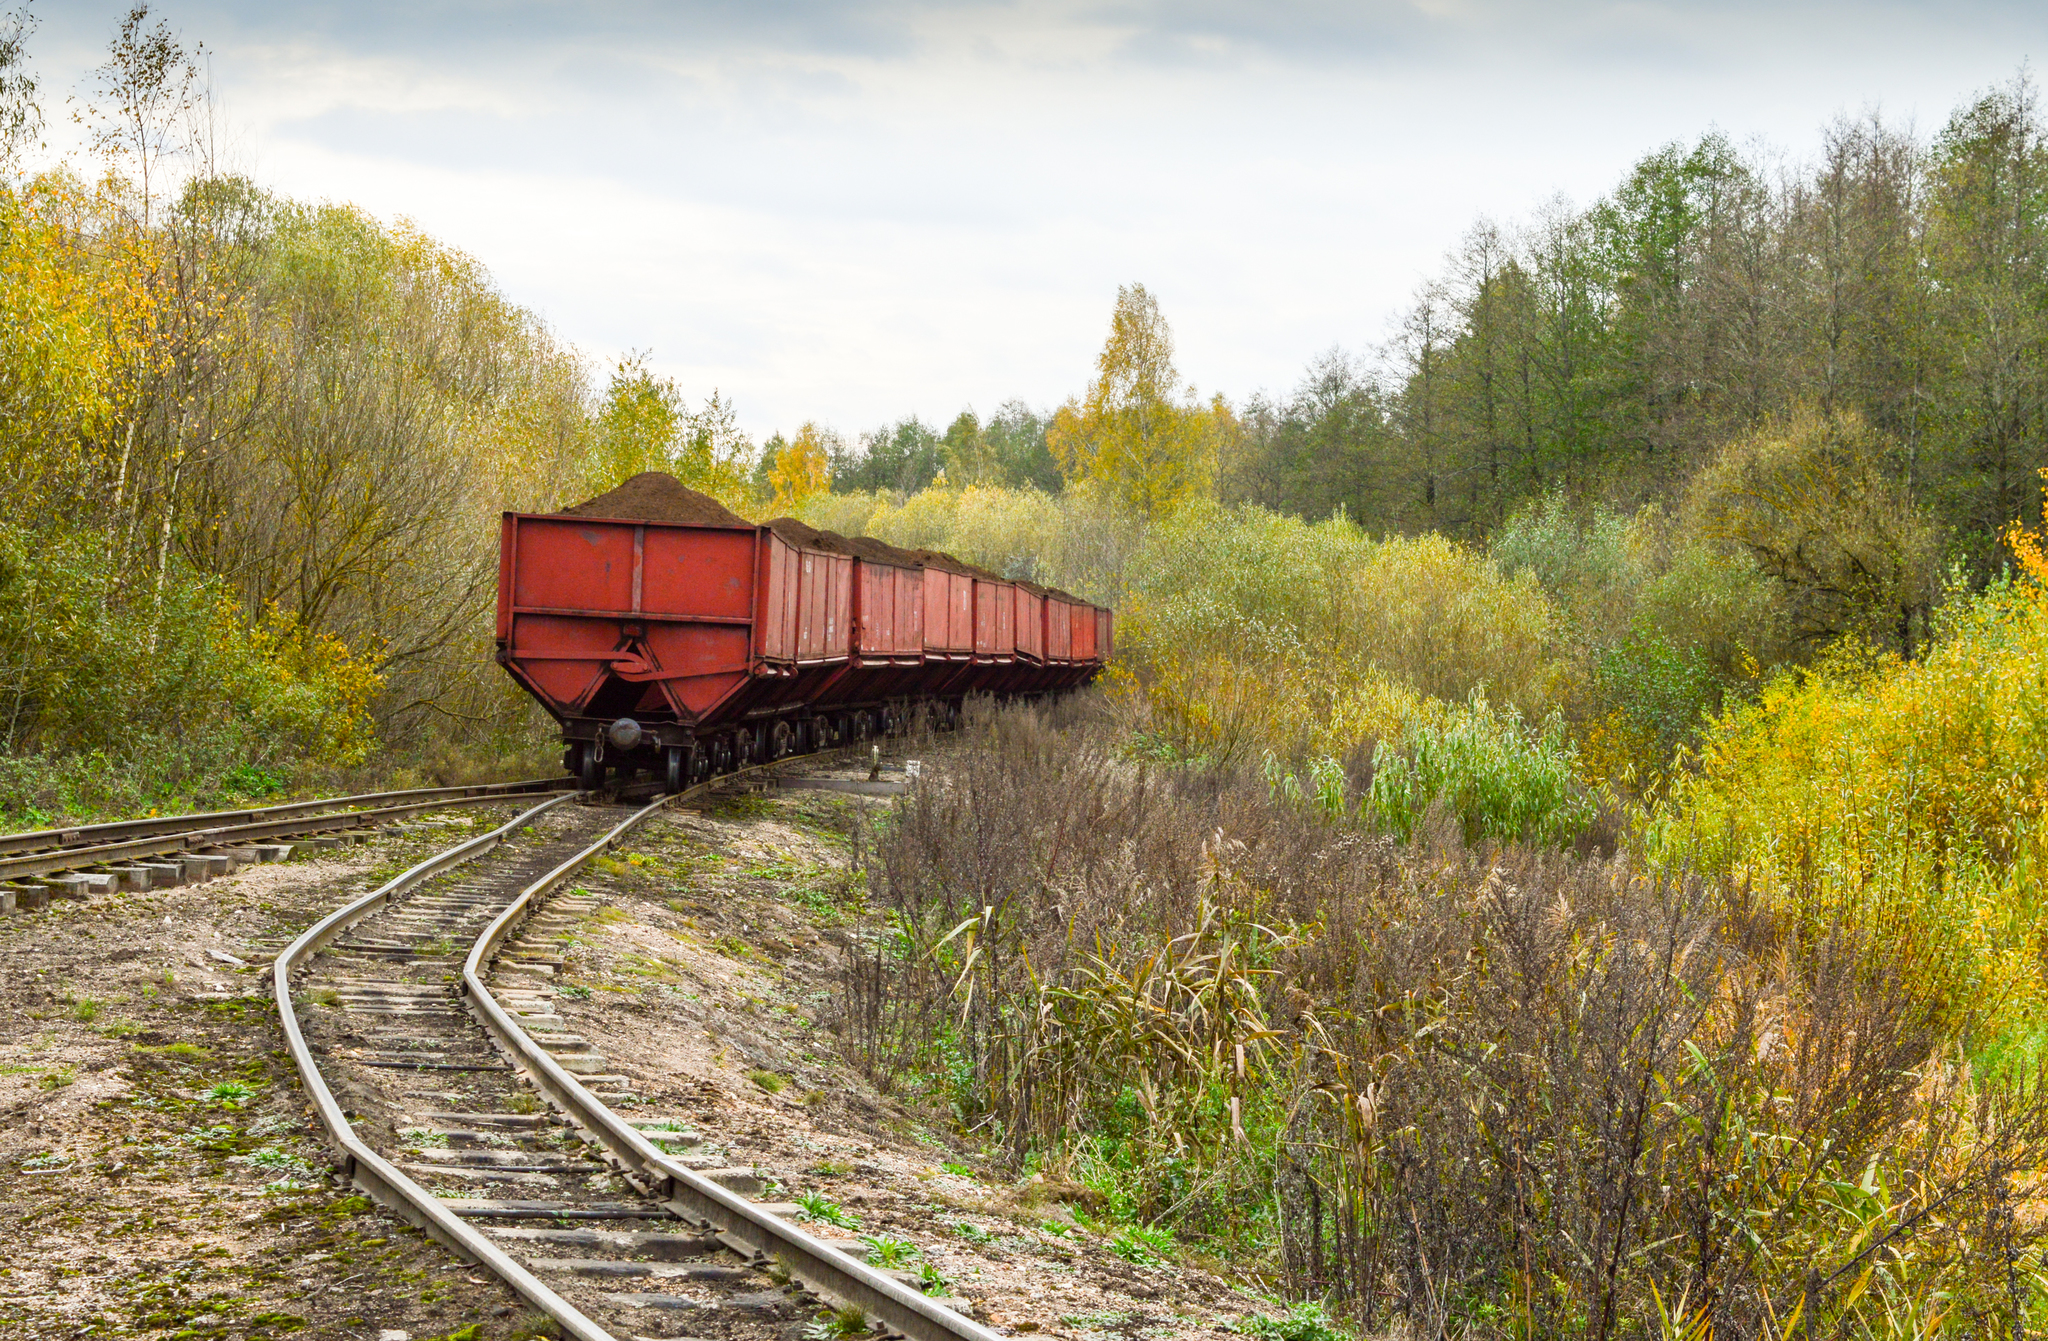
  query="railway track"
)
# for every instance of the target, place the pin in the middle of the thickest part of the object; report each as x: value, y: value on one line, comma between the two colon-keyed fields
x: 181, y: 849
x: 424, y: 1010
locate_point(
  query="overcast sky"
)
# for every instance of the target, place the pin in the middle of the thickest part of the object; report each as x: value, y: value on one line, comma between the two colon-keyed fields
x: 851, y: 212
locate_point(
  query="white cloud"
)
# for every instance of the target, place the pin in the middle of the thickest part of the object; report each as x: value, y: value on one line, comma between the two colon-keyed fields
x: 853, y: 212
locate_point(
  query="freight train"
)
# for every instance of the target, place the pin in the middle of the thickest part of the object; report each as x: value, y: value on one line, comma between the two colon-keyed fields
x: 671, y: 636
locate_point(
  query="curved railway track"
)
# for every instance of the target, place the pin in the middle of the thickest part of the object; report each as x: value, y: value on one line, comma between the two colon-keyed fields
x: 487, y: 1124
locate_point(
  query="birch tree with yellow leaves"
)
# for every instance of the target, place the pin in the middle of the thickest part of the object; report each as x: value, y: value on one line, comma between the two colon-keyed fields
x: 800, y: 469
x: 1140, y: 435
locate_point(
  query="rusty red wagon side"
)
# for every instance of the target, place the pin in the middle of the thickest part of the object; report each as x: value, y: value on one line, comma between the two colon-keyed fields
x: 696, y: 647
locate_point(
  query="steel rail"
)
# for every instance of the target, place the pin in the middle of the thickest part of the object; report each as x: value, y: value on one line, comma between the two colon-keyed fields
x: 744, y: 1227
x: 114, y: 831
x: 364, y: 1167
x: 186, y: 840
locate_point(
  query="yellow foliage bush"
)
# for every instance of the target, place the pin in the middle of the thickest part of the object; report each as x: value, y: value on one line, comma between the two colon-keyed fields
x: 1223, y: 707
x: 1256, y: 632
x: 60, y: 316
x: 1438, y: 616
x: 1903, y: 799
x: 1069, y: 541
x: 799, y: 470
x: 300, y: 682
x: 1242, y: 631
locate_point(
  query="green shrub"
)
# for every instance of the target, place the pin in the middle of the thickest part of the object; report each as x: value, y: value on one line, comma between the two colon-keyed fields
x: 1590, y: 564
x: 888, y: 1252
x: 1142, y: 1245
x: 1503, y: 780
x: 1305, y: 1321
x: 1661, y: 694
x: 817, y: 1206
x: 118, y: 694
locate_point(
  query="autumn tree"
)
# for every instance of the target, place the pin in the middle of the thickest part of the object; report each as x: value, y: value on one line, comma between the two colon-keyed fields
x: 1326, y: 448
x: 902, y: 457
x: 1008, y: 451
x: 646, y: 423
x: 637, y: 422
x: 1863, y: 222
x: 21, y: 116
x: 185, y: 377
x: 1139, y: 435
x: 1987, y: 250
x: 801, y: 467
x: 1810, y: 499
x: 1016, y: 438
x: 970, y: 457
x: 142, y: 97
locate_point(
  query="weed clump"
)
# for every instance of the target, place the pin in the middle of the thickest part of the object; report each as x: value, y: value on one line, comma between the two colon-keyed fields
x: 821, y: 1208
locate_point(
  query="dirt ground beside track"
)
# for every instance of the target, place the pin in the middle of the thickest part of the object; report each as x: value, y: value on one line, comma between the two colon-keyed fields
x: 709, y: 975
x: 160, y: 1172
x: 161, y: 1176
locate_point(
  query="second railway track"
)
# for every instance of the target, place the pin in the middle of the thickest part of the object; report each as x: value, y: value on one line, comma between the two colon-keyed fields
x: 426, y: 1008
x: 174, y: 849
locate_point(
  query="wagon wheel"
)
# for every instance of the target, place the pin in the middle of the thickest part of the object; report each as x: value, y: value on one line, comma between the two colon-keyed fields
x: 678, y: 770
x: 700, y: 763
x: 781, y: 740
x: 590, y: 769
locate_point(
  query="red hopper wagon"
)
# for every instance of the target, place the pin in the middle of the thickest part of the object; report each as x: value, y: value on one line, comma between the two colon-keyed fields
x: 669, y: 635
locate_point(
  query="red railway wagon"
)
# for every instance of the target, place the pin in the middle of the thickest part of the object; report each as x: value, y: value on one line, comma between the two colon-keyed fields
x: 697, y: 646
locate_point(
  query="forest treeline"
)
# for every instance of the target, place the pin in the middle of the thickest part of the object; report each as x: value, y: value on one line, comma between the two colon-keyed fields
x: 1611, y: 351
x: 1872, y: 328
x: 1734, y: 417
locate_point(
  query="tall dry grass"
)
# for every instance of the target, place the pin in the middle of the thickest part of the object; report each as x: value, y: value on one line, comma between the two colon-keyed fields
x: 1489, y: 1092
